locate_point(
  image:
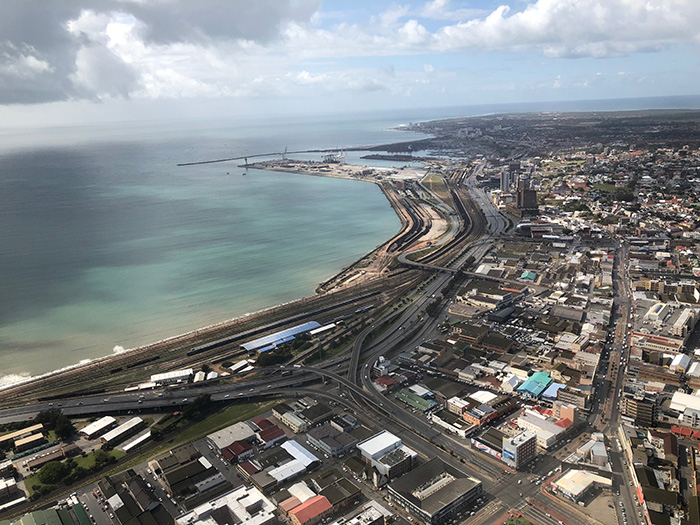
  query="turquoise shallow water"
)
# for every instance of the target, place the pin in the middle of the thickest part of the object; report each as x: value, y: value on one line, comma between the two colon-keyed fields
x: 105, y: 242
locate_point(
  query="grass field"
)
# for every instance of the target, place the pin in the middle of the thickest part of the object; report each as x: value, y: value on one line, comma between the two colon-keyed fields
x: 607, y: 188
x: 86, y: 462
x: 223, y: 418
x: 519, y: 521
x: 436, y: 184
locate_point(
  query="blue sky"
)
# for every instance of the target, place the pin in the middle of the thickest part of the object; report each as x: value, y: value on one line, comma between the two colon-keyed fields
x: 93, y: 60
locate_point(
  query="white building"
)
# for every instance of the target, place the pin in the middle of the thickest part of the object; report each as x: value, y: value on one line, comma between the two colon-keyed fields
x: 176, y: 376
x: 123, y: 431
x: 244, y: 505
x: 375, y: 447
x: 98, y: 427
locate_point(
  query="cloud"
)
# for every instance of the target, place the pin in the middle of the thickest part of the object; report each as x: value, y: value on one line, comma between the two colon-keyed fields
x: 77, y: 49
x: 100, y: 49
x: 578, y: 28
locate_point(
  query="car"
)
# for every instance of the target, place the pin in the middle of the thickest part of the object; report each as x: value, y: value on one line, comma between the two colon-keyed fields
x: 226, y: 395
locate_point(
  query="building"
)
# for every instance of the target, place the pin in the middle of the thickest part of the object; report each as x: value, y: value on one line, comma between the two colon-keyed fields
x: 641, y: 408
x: 535, y: 385
x: 241, y: 505
x: 575, y: 483
x: 176, y: 376
x: 294, y: 422
x: 123, y: 431
x: 99, y: 427
x: 29, y: 442
x: 573, y: 396
x: 490, y: 442
x: 311, y: 511
x: 236, y: 432
x: 434, y: 491
x: 387, y: 455
x: 330, y: 440
x: 22, y: 433
x: 547, y: 430
x: 520, y: 449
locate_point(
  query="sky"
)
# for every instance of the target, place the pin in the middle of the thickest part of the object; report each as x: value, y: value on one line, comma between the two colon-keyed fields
x: 87, y: 61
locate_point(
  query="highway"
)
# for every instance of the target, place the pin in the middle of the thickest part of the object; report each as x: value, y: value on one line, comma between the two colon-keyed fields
x: 395, y: 329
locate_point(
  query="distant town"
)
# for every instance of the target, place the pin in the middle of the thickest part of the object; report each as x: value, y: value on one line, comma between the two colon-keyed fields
x: 524, y: 350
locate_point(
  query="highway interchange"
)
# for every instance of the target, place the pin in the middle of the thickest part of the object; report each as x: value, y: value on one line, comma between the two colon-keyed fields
x: 347, y: 381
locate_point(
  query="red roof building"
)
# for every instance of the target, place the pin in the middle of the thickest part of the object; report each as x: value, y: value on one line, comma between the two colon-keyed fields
x: 288, y: 504
x: 564, y: 423
x: 263, y: 423
x: 311, y: 511
x: 271, y: 436
x: 247, y: 469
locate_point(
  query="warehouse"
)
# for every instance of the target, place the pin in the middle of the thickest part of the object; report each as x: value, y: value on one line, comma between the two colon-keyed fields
x: 99, y: 427
x: 237, y: 432
x: 123, y: 431
x: 269, y: 342
x: 575, y: 483
x: 433, y: 491
x: 176, y: 376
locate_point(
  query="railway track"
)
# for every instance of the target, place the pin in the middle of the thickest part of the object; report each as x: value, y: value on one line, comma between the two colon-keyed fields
x: 474, y: 224
x: 115, y: 372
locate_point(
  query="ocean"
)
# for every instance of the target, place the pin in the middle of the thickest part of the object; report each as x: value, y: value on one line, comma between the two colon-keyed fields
x: 107, y: 244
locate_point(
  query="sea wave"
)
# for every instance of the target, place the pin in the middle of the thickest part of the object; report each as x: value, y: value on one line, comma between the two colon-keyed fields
x: 13, y: 379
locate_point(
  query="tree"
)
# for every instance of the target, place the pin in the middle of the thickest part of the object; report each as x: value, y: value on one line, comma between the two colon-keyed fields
x: 54, y: 419
x: 53, y: 472
x: 197, y: 409
x: 64, y: 428
x: 103, y: 458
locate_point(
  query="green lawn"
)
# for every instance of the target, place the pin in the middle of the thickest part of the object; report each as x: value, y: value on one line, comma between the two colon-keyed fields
x: 85, y: 462
x: 519, y: 521
x: 608, y: 188
x: 223, y: 418
x: 89, y: 460
x: 436, y: 184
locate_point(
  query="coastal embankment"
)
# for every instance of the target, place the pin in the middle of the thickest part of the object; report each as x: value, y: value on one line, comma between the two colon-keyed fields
x: 339, y: 295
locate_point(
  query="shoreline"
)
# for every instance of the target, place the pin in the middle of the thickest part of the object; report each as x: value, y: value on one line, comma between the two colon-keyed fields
x: 23, y: 381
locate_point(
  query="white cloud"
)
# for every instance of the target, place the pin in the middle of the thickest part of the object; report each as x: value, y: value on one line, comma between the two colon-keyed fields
x: 176, y: 48
x: 21, y: 63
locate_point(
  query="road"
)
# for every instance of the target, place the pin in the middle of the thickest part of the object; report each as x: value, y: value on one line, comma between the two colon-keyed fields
x: 403, y: 327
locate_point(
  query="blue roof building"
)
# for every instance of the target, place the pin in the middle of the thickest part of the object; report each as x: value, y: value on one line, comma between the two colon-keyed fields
x: 535, y: 385
x: 278, y: 338
x: 551, y: 393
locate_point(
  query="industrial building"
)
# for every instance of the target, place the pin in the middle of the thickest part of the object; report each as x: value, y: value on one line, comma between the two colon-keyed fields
x: 99, y: 427
x: 176, y: 376
x: 272, y: 341
x: 434, y: 491
x: 575, y: 483
x: 22, y: 433
x: 123, y: 431
x: 236, y: 432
